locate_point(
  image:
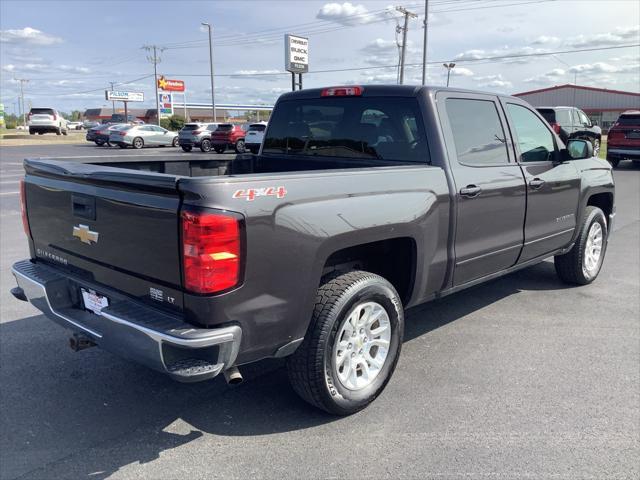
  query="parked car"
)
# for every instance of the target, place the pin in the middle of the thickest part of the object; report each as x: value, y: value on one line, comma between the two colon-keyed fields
x: 196, y: 135
x: 100, y: 134
x: 193, y: 268
x: 75, y: 126
x: 623, y: 139
x: 228, y: 135
x: 138, y: 136
x: 43, y: 120
x: 254, y: 136
x: 570, y: 122
x: 89, y: 124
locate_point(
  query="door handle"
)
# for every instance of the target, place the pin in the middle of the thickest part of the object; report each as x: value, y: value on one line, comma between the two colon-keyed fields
x: 470, y: 191
x: 536, y: 183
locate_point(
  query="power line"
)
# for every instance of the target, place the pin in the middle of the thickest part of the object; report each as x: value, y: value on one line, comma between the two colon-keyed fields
x: 155, y: 59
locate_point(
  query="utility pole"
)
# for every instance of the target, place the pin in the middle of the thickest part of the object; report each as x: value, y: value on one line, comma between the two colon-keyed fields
x: 155, y: 59
x: 449, y: 67
x: 424, y: 43
x: 213, y: 99
x: 406, y: 14
x: 22, y: 82
x: 113, y: 102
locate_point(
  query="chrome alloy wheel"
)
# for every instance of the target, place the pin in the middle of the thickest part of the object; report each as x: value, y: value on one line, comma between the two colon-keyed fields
x: 362, y: 345
x: 593, y: 250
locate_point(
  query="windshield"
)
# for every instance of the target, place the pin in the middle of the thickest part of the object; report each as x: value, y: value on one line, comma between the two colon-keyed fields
x: 351, y: 127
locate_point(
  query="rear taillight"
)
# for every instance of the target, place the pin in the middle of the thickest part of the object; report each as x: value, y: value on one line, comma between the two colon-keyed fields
x: 23, y: 209
x: 55, y: 117
x: 197, y: 132
x: 211, y: 251
x: 556, y: 127
x: 342, y: 92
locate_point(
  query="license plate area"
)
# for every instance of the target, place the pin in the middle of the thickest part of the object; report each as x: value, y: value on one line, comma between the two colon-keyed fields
x: 93, y: 302
x: 633, y: 135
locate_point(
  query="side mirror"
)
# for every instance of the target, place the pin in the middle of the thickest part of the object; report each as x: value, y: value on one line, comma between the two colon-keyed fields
x: 579, y: 149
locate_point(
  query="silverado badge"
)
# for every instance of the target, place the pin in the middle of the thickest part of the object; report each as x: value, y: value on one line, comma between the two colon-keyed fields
x: 85, y: 234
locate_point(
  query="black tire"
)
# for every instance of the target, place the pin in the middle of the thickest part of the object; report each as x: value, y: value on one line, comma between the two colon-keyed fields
x: 240, y: 148
x: 205, y: 145
x: 187, y: 148
x: 99, y: 142
x: 137, y: 143
x: 311, y: 368
x: 570, y: 267
x: 65, y: 132
x: 32, y: 132
x: 40, y: 133
x: 122, y: 145
x: 614, y: 161
x: 58, y: 131
x: 219, y: 149
x: 175, y: 142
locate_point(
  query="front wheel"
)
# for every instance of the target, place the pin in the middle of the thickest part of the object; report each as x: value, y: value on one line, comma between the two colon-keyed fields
x: 352, y: 344
x: 138, y: 143
x: 205, y: 145
x: 240, y: 146
x: 582, y: 264
x: 175, y: 142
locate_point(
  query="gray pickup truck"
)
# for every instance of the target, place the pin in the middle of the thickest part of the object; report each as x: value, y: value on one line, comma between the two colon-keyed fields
x: 362, y: 201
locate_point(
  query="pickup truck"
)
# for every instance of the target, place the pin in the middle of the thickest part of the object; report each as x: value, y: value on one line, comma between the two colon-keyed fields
x: 364, y: 201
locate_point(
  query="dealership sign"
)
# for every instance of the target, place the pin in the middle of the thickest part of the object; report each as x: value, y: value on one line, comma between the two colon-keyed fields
x: 118, y: 96
x: 296, y: 54
x: 165, y: 101
x: 169, y: 85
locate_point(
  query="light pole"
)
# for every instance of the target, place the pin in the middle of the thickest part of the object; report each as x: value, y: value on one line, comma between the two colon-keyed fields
x: 213, y: 100
x: 424, y: 43
x: 449, y: 67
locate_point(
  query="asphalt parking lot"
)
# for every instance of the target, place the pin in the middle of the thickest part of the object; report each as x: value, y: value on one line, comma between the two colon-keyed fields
x: 522, y: 377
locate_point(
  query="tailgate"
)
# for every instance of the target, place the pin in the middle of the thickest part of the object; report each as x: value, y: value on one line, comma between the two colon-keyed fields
x: 101, y: 218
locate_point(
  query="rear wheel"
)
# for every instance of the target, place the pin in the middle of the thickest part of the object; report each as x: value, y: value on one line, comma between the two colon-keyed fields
x: 352, y: 345
x: 582, y: 264
x: 32, y: 132
x: 187, y: 148
x: 205, y: 145
x: 240, y: 146
x: 175, y: 142
x: 122, y: 145
x: 99, y: 142
x: 138, y: 143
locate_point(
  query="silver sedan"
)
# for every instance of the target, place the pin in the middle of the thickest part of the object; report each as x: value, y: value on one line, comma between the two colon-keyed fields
x: 139, y: 136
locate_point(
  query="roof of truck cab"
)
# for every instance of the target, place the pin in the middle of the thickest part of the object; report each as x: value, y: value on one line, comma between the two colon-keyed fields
x: 386, y: 91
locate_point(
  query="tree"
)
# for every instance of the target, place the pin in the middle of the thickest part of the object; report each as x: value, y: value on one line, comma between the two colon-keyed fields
x: 174, y: 122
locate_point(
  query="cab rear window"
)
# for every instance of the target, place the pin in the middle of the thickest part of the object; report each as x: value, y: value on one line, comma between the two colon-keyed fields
x: 348, y: 127
x: 190, y: 126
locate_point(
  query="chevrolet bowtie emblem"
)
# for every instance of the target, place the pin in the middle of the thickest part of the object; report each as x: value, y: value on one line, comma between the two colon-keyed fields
x: 85, y: 234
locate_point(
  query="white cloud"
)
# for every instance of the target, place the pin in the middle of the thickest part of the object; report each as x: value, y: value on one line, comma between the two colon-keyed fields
x: 345, y: 13
x: 493, y: 81
x: 601, y: 67
x: 545, y: 40
x: 480, y: 54
x: 552, y: 76
x: 263, y: 75
x: 29, y: 36
x: 461, y: 72
x: 619, y: 36
x: 44, y: 68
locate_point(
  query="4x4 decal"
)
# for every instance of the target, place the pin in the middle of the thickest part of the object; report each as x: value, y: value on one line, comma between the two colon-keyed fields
x: 250, y: 194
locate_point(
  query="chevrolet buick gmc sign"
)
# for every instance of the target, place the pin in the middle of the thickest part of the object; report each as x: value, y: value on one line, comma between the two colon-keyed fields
x: 296, y: 54
x: 117, y: 96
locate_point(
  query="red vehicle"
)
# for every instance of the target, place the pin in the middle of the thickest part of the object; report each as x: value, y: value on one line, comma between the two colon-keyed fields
x: 623, y: 140
x: 228, y: 135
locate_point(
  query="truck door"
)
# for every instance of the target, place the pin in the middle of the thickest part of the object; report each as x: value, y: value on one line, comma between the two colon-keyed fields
x: 553, y: 187
x: 490, y: 195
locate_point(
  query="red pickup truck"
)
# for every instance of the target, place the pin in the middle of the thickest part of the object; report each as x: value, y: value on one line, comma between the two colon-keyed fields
x: 228, y: 135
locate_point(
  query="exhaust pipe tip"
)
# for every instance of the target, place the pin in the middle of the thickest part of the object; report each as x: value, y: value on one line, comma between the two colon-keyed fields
x: 233, y: 376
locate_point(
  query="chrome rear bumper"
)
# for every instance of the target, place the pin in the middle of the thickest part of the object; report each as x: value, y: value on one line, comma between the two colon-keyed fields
x: 129, y: 329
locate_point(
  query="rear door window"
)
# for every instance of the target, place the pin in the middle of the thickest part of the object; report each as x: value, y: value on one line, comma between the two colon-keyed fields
x: 477, y: 132
x: 349, y: 127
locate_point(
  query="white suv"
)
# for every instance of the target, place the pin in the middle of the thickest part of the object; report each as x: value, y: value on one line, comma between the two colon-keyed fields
x: 43, y: 120
x: 254, y: 137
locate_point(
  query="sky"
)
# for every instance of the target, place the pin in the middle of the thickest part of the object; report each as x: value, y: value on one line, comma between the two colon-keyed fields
x: 70, y: 50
